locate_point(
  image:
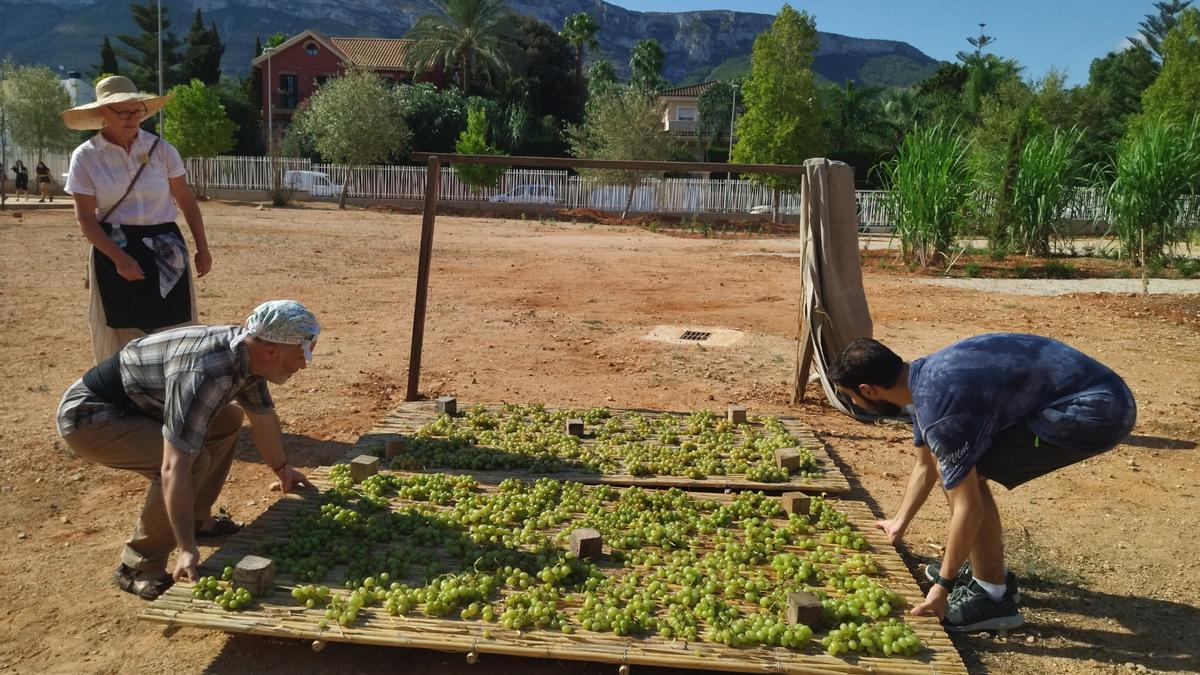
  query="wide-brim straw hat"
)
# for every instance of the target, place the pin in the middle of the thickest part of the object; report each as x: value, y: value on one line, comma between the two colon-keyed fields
x: 110, y: 90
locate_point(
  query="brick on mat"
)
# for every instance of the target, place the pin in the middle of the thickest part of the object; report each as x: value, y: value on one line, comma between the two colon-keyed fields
x: 586, y: 543
x: 363, y: 467
x: 575, y: 427
x: 788, y: 458
x: 256, y: 574
x: 804, y: 607
x: 796, y: 502
x: 393, y: 448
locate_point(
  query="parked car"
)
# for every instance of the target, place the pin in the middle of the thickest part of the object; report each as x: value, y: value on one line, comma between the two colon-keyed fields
x: 313, y: 182
x: 527, y: 194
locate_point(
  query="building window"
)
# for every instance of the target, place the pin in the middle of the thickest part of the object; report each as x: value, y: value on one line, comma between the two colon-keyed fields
x: 287, y: 91
x: 320, y: 80
x: 311, y: 49
x: 685, y: 113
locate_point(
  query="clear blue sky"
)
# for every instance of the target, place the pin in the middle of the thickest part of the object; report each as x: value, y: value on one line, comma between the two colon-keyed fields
x: 1040, y: 34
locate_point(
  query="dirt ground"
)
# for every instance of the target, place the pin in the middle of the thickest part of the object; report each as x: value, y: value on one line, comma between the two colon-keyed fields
x: 555, y: 312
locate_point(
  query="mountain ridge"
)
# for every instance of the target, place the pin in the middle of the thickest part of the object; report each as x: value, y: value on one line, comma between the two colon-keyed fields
x: 68, y: 33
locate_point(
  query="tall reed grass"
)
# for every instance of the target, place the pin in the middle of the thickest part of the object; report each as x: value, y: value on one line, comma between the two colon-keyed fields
x: 929, y: 191
x: 1050, y: 169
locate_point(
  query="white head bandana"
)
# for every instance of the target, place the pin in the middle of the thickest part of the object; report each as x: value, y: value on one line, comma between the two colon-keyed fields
x: 284, y: 322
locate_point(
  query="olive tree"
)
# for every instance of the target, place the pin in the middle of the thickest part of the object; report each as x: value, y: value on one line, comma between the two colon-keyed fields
x: 622, y: 123
x: 33, y: 98
x: 354, y: 120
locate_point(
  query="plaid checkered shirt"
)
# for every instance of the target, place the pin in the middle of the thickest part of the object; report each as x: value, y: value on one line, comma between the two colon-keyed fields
x: 182, y: 377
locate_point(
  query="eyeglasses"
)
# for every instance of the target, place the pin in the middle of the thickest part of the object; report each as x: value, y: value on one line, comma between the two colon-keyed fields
x: 129, y: 114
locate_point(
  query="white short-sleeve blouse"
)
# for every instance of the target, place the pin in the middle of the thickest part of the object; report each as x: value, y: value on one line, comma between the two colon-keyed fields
x: 103, y: 170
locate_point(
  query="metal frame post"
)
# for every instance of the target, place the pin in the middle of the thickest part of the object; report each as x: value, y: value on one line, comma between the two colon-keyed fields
x: 433, y: 181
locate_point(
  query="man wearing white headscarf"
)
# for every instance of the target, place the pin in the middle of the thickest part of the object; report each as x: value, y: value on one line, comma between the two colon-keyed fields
x: 170, y: 406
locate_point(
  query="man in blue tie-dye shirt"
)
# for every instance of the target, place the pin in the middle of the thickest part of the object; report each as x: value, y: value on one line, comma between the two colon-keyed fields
x: 1001, y: 407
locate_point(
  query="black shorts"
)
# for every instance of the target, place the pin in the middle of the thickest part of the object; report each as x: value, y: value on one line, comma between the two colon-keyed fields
x: 1018, y: 456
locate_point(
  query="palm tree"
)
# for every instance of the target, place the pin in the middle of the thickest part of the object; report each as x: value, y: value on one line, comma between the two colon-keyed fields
x: 580, y: 30
x: 646, y: 64
x: 854, y: 119
x: 471, y: 36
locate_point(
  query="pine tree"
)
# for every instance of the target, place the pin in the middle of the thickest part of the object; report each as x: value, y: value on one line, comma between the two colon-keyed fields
x: 108, y: 61
x: 142, y: 52
x: 1156, y: 26
x: 203, y: 53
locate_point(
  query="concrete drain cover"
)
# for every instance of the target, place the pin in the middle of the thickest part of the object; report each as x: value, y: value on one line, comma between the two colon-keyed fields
x: 691, y: 335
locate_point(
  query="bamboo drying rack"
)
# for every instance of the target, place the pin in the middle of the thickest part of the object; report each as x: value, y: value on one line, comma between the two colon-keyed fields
x: 281, y: 616
x: 409, y: 416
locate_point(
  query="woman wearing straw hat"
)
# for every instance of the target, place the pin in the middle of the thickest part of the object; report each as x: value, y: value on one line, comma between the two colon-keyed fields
x: 126, y: 183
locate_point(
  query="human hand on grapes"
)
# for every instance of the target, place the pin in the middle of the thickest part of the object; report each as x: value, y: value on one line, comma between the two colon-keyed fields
x: 893, y: 527
x: 186, y: 563
x: 934, y: 603
x: 290, y: 478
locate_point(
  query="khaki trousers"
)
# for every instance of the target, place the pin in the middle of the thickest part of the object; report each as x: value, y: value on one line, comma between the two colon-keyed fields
x: 135, y: 443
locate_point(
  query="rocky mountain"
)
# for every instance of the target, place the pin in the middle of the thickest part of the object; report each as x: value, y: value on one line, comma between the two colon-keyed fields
x: 67, y: 33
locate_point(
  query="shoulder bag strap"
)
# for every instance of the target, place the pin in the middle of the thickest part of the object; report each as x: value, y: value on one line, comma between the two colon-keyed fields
x: 133, y: 182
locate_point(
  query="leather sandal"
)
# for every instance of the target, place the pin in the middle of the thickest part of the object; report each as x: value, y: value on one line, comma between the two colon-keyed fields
x: 223, y: 526
x: 130, y: 580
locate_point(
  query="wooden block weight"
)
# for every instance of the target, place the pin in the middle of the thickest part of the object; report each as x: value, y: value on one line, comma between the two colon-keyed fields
x: 736, y: 414
x: 788, y: 458
x: 575, y: 428
x: 363, y: 467
x: 448, y: 405
x: 796, y: 502
x: 804, y: 607
x: 393, y: 448
x: 256, y: 574
x: 586, y: 543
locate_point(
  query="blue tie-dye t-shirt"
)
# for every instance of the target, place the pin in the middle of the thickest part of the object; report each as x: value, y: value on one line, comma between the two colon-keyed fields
x: 966, y: 393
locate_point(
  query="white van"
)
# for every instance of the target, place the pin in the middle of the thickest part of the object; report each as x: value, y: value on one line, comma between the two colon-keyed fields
x: 313, y: 182
x: 527, y: 194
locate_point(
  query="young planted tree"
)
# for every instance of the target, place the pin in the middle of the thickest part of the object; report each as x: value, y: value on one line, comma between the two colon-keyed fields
x: 580, y: 30
x: 474, y: 141
x: 142, y: 49
x: 1157, y: 165
x: 784, y: 119
x: 474, y: 37
x: 354, y: 120
x: 646, y: 64
x: 197, y: 125
x: 33, y: 97
x: 622, y: 123
x: 929, y: 188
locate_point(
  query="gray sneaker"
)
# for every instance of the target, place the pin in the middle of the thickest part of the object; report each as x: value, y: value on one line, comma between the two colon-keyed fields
x: 972, y: 609
x: 1011, y: 589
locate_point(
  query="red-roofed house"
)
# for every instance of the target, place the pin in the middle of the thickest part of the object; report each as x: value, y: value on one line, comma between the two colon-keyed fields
x: 293, y: 70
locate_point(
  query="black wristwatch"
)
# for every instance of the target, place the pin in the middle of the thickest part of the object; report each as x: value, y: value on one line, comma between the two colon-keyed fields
x: 945, y: 583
